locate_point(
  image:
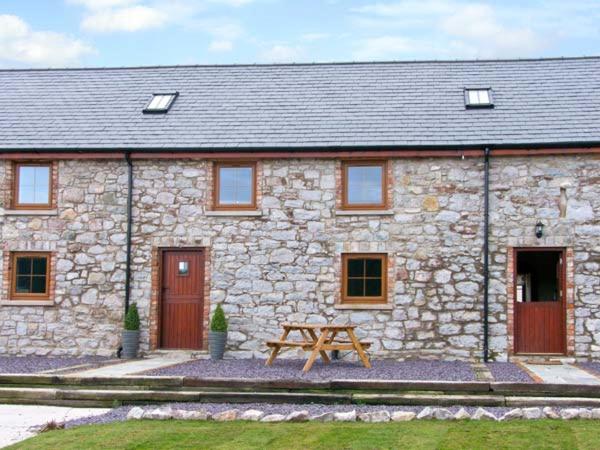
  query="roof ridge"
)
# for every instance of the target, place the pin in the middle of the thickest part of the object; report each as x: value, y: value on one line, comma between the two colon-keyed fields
x: 331, y: 63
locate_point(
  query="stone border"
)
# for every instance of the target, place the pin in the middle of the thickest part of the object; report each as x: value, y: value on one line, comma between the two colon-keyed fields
x: 427, y: 413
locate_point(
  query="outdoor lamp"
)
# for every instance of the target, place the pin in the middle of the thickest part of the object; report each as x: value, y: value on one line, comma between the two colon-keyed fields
x: 539, y: 230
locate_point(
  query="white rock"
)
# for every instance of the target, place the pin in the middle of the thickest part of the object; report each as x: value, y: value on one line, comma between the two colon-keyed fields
x: 585, y: 413
x: 462, y: 414
x: 569, y: 414
x: 226, y: 416
x: 512, y: 415
x: 345, y: 416
x: 482, y: 414
x: 443, y: 414
x: 273, y: 418
x: 596, y: 413
x: 297, y: 416
x: 426, y: 413
x: 532, y: 413
x: 325, y: 417
x: 550, y: 413
x: 183, y: 414
x: 403, y: 416
x: 375, y: 417
x: 162, y: 413
x: 135, y: 413
x: 252, y: 414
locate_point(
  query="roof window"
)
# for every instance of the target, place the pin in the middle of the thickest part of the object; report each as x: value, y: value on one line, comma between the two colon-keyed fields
x: 478, y: 98
x: 161, y: 103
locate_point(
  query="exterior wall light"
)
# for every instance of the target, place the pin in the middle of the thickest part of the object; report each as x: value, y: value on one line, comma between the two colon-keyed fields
x: 539, y: 230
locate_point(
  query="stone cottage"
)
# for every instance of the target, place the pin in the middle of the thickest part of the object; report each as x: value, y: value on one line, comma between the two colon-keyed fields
x: 449, y: 209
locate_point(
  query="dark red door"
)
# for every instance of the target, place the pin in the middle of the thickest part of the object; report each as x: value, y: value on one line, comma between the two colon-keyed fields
x: 182, y: 299
x: 540, y: 322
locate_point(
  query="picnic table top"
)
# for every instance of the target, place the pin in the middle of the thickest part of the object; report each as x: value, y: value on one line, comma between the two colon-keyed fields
x: 319, y: 326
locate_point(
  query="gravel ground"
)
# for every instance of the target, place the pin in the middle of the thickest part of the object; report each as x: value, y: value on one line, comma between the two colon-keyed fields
x: 291, y: 369
x: 506, y: 371
x: 36, y: 364
x: 120, y: 414
x: 593, y: 367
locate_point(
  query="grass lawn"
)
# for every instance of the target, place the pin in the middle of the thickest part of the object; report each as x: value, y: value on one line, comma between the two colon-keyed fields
x: 251, y: 435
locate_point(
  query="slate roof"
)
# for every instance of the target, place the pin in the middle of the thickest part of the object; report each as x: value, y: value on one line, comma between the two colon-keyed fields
x: 301, y: 106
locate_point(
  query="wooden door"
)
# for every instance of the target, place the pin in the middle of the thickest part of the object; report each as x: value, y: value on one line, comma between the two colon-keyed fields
x: 540, y: 322
x: 182, y: 299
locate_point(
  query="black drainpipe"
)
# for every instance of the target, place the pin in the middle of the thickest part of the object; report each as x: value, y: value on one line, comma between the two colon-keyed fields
x: 129, y: 226
x: 486, y: 252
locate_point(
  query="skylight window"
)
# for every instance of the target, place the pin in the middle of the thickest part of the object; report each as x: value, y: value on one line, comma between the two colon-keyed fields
x: 161, y: 103
x: 478, y: 98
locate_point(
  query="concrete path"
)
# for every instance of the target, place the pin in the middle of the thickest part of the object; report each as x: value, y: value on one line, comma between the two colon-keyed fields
x: 562, y: 374
x: 16, y: 421
x: 134, y: 366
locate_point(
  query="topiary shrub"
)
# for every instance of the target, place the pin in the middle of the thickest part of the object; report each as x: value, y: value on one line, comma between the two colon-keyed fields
x: 132, y: 318
x: 218, y: 322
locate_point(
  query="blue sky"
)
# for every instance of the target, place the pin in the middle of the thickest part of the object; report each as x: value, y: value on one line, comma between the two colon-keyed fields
x: 58, y: 33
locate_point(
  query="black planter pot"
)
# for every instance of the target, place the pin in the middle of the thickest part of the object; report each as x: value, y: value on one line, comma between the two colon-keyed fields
x: 131, y: 344
x: 216, y: 344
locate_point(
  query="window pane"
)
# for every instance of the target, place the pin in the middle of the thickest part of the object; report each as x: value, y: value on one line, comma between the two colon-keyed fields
x: 23, y: 266
x: 38, y: 285
x: 235, y: 185
x: 364, y: 185
x: 473, y: 97
x: 23, y: 285
x: 34, y: 184
x: 356, y: 267
x: 373, y: 268
x: 373, y: 288
x: 39, y: 266
x: 356, y: 287
x: 484, y: 97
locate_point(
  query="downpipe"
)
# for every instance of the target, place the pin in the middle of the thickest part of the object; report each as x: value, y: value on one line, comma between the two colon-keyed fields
x: 486, y: 253
x: 128, y: 240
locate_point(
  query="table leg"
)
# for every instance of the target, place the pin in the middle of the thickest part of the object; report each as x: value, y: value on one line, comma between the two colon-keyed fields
x: 323, y: 353
x: 316, y: 351
x: 276, y: 349
x: 356, y: 343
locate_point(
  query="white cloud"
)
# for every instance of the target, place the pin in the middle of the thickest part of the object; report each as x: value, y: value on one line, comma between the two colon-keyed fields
x: 312, y: 37
x: 20, y: 44
x: 220, y: 46
x: 447, y: 29
x: 232, y: 2
x: 383, y: 47
x: 134, y: 18
x: 282, y: 53
x: 102, y: 4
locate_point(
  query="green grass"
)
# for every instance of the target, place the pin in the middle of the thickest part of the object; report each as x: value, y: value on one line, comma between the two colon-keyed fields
x: 251, y: 435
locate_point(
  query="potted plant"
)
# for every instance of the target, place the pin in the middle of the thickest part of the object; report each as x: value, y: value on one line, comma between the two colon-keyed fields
x: 131, y: 333
x: 217, y: 336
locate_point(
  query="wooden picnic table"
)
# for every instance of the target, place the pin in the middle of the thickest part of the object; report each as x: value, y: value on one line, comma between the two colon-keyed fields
x: 318, y: 338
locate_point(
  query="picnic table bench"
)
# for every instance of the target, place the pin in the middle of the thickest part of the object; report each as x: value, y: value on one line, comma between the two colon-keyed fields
x: 318, y: 338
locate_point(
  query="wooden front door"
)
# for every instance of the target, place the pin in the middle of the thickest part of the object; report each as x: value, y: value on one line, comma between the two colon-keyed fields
x: 540, y: 319
x: 182, y: 299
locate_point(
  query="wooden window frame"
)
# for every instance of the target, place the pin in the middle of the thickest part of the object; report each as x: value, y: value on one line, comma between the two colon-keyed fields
x: 384, y: 185
x: 14, y: 295
x: 216, y: 191
x: 15, y: 188
x: 345, y: 299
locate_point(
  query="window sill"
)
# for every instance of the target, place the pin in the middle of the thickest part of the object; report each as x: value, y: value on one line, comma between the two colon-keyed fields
x: 380, y: 306
x: 31, y: 212
x: 234, y: 213
x: 364, y: 212
x: 27, y: 303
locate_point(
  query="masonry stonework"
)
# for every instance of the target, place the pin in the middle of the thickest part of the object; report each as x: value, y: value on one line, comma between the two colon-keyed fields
x: 285, y: 265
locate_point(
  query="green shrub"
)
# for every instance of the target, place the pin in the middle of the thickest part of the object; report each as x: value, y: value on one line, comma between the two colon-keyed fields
x: 132, y: 318
x: 218, y: 322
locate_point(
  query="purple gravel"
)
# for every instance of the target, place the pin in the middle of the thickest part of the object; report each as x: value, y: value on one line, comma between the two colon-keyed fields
x: 36, y: 364
x: 593, y: 367
x: 291, y: 369
x: 120, y: 414
x: 506, y: 371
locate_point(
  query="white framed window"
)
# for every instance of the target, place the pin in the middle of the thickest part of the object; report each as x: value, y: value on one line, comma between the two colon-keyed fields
x: 478, y: 98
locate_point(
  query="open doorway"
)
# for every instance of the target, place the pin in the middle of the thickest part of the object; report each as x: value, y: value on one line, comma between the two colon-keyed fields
x: 539, y: 301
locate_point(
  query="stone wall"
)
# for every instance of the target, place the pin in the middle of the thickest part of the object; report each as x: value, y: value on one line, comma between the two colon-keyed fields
x: 285, y: 264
